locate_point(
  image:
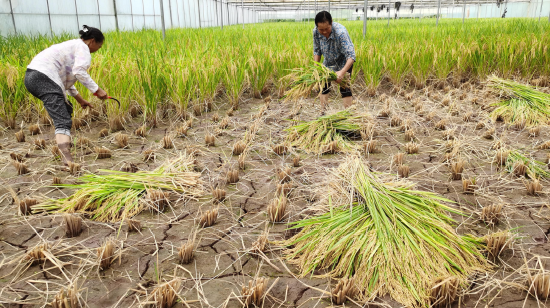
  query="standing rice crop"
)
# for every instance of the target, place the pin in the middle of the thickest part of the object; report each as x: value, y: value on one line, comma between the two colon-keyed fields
x: 391, y: 239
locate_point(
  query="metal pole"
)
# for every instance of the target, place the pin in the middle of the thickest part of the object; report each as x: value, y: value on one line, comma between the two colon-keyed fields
x: 162, y: 19
x: 116, y: 15
x: 13, y: 19
x: 217, y: 17
x: 199, y: 10
x: 132, y: 13
x: 171, y: 13
x: 463, y: 12
x: 365, y: 19
x: 228, y: 21
x: 478, y: 9
x: 389, y: 4
x: 76, y: 11
x: 242, y: 10
x: 50, y: 18
x: 98, y: 14
x: 540, y: 13
x: 221, y: 14
x: 329, y: 6
x: 438, y: 11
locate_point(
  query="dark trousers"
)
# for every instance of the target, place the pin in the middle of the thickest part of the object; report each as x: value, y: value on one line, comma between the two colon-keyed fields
x: 43, y: 88
x: 344, y: 92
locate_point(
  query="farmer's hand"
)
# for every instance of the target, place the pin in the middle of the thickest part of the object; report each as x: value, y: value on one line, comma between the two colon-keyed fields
x: 101, y: 94
x: 340, y: 75
x: 85, y: 104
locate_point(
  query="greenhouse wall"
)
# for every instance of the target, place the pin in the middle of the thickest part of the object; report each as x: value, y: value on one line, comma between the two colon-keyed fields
x: 33, y: 17
x: 514, y: 9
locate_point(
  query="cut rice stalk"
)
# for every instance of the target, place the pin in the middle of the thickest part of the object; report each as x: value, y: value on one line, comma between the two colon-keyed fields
x: 317, y: 136
x: 25, y: 205
x: 444, y: 291
x: 186, y: 252
x: 115, y: 195
x: 313, y: 77
x: 254, y: 292
x: 276, y: 209
x: 105, y: 254
x: 539, y: 286
x: 133, y: 225
x: 208, y: 218
x: 66, y: 298
x: 73, y: 225
x: 345, y: 288
x: 381, y: 237
x: 496, y: 243
x: 491, y: 214
x: 165, y: 295
x: 233, y: 176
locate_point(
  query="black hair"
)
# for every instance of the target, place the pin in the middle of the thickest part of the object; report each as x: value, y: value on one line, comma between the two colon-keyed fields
x: 322, y: 17
x: 91, y: 33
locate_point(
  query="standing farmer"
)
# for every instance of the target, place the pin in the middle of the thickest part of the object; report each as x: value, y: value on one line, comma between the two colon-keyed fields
x: 54, y: 71
x: 331, y: 40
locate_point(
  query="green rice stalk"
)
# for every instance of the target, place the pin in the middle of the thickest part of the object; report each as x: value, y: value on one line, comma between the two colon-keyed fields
x: 306, y: 79
x: 316, y: 135
x: 523, y: 103
x: 535, y: 169
x: 115, y: 195
x: 390, y: 239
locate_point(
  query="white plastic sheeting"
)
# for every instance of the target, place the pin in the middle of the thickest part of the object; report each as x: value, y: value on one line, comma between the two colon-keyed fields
x: 513, y: 9
x: 46, y: 17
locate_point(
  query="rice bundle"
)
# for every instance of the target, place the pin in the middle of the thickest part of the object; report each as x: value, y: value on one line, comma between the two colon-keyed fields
x: 115, y: 195
x: 317, y: 135
x: 524, y: 105
x: 390, y: 239
x: 521, y: 165
x: 306, y: 79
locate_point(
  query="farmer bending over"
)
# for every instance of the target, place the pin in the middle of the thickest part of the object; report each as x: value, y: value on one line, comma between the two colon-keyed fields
x: 331, y: 39
x: 54, y: 71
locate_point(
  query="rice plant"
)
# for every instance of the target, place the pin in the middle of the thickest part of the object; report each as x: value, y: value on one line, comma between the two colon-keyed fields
x: 316, y: 136
x: 116, y: 195
x: 389, y: 238
x: 521, y: 165
x: 303, y: 80
x: 525, y: 106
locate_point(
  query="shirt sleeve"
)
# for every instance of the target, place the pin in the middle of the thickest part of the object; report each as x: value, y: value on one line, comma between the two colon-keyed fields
x: 347, y: 46
x: 73, y: 91
x: 82, y: 62
x: 316, y: 44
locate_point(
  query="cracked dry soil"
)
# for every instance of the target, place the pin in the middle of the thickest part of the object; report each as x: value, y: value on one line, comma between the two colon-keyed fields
x: 223, y: 261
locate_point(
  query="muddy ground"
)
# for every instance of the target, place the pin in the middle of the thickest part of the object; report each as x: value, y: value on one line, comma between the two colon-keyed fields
x: 224, y: 261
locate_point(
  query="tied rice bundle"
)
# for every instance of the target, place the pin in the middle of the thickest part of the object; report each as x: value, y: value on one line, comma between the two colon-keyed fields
x: 317, y: 135
x: 115, y: 195
x: 523, y: 103
x: 313, y: 77
x: 390, y: 239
